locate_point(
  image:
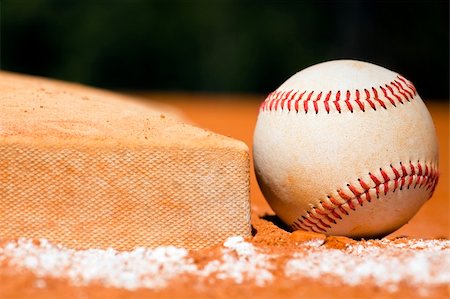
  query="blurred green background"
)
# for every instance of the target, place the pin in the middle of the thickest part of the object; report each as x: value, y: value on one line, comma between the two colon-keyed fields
x: 221, y: 46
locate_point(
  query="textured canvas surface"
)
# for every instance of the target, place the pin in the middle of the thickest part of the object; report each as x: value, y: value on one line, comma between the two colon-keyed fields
x: 89, y: 169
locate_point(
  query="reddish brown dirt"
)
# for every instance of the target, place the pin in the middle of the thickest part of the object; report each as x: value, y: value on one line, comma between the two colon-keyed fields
x: 235, y: 116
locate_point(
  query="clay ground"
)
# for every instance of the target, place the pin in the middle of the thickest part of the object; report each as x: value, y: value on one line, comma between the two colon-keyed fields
x: 235, y: 116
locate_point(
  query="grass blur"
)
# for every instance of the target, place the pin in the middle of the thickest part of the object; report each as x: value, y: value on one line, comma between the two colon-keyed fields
x: 221, y: 46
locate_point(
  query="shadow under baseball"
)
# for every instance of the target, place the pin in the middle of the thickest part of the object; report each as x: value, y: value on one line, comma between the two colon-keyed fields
x: 277, y: 222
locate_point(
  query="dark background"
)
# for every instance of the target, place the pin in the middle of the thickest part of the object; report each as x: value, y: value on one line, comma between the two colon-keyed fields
x: 221, y: 46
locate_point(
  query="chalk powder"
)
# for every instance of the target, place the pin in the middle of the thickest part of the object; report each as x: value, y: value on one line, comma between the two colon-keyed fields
x: 425, y: 263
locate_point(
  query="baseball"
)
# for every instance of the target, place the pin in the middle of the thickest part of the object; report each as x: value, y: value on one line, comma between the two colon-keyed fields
x: 345, y: 148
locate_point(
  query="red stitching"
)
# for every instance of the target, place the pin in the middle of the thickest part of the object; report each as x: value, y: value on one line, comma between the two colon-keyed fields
x: 279, y: 97
x: 397, y: 176
x: 343, y: 195
x: 336, y: 102
x: 353, y: 189
x: 432, y: 174
x: 319, y: 220
x: 333, y: 201
x: 419, y: 175
x: 327, y: 98
x: 408, y: 84
x: 398, y: 86
x: 386, y: 181
x: 270, y: 100
x: 363, y: 184
x: 426, y: 175
x: 262, y: 107
x: 361, y: 105
x: 285, y: 98
x: 298, y: 100
x: 275, y: 99
x: 327, y: 206
x: 368, y: 197
x: 387, y: 96
x: 316, y: 108
x: 324, y: 224
x: 303, y: 225
x: 413, y: 172
x: 347, y: 101
x: 305, y: 103
x: 332, y: 210
x: 375, y: 94
x: 368, y: 99
x: 360, y: 201
x: 394, y: 92
x: 404, y: 174
x: 410, y: 95
x: 377, y: 184
x: 323, y: 216
x: 310, y: 224
x: 341, y: 208
x: 273, y: 103
x: 289, y: 102
x: 350, y: 204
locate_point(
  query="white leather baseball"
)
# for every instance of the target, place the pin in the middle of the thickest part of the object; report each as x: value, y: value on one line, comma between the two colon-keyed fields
x: 345, y: 148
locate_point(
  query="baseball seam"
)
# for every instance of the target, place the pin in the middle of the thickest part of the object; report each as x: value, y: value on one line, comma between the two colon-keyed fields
x: 321, y: 217
x: 398, y: 91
